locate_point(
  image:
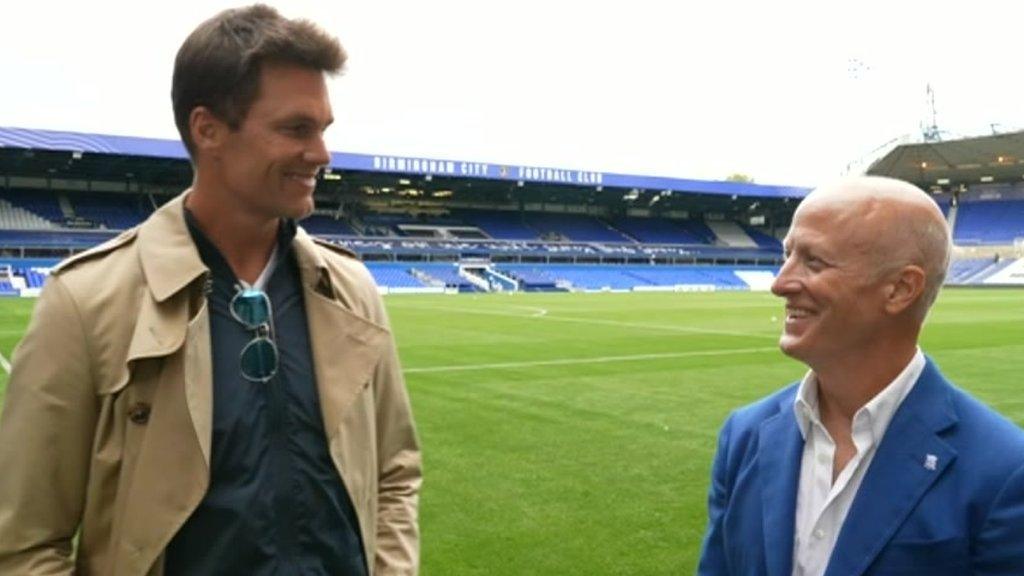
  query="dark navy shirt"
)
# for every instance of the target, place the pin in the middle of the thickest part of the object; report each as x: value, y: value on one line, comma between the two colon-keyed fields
x: 276, y: 504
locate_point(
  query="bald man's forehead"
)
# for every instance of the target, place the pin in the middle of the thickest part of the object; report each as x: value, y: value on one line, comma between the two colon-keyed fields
x: 846, y: 228
x: 838, y: 208
x: 877, y: 189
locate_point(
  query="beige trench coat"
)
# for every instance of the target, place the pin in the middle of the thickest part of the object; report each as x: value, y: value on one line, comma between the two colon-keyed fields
x: 106, y: 426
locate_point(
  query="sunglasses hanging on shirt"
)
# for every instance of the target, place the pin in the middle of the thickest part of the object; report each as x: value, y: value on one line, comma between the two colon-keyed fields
x: 251, y: 308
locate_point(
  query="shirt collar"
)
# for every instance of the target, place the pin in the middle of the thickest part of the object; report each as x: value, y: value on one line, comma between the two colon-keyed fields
x: 806, y: 404
x: 878, y: 411
x: 216, y: 262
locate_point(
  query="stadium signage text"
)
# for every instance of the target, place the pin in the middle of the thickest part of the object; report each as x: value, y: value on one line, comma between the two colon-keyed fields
x: 424, y: 166
x: 563, y: 176
x: 482, y: 170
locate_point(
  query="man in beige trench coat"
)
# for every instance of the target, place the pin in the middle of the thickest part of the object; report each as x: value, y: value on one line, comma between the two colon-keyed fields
x: 215, y: 392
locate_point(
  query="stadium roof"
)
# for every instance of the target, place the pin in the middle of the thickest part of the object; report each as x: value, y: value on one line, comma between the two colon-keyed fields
x: 996, y: 158
x: 81, y: 146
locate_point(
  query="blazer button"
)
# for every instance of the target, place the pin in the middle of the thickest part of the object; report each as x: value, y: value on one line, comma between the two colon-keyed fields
x: 138, y: 413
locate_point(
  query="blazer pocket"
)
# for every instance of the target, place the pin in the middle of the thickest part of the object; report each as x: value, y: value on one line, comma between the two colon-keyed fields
x: 947, y: 556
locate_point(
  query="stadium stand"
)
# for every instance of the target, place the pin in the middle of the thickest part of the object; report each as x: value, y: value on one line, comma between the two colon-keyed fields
x: 731, y: 234
x: 989, y: 222
x: 665, y: 231
x: 17, y: 218
x: 700, y: 229
x: 8, y: 289
x: 33, y: 278
x: 629, y: 277
x: 532, y: 279
x: 761, y: 239
x: 43, y: 204
x: 61, y: 240
x: 588, y: 234
x: 572, y: 227
x: 596, y: 277
x: 961, y: 270
x: 973, y: 271
x: 499, y: 224
x: 717, y: 276
x: 111, y: 211
x: 599, y: 255
x: 446, y: 274
x: 394, y: 275
x: 324, y: 225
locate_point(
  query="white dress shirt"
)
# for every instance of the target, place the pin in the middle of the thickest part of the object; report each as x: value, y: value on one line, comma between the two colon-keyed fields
x: 821, y: 505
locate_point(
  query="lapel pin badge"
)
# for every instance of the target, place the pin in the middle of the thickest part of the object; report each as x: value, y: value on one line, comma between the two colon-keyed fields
x: 931, y: 461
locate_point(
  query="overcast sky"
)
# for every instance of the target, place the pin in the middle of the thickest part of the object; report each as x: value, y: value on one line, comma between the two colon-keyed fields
x: 787, y: 92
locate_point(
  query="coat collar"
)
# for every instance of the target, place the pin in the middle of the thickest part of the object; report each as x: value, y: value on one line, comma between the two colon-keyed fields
x: 170, y: 260
x: 313, y: 269
x: 168, y: 256
x: 346, y: 345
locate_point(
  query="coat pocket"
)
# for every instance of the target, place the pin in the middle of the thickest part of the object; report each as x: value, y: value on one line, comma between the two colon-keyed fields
x: 947, y: 556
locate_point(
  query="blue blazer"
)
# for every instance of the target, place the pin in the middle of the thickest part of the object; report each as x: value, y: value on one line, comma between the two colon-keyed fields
x: 944, y: 494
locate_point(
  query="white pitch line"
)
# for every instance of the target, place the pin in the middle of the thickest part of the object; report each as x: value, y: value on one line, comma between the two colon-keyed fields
x: 5, y: 364
x: 669, y: 328
x: 599, y: 321
x: 535, y: 311
x: 593, y: 360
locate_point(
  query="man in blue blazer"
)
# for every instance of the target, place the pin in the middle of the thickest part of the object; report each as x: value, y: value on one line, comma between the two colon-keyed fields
x: 873, y: 464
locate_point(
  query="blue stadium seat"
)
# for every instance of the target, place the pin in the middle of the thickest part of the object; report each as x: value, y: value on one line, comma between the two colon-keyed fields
x: 393, y: 275
x: 320, y: 224
x: 989, y: 222
x: 574, y: 227
x: 112, y: 211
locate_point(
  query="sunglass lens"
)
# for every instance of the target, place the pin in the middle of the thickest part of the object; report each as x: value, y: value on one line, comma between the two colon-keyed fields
x: 252, y: 307
x: 259, y: 359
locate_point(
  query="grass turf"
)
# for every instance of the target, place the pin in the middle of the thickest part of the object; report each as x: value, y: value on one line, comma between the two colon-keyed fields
x: 570, y: 434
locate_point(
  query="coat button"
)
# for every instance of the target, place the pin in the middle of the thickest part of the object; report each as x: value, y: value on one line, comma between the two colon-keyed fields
x: 138, y: 413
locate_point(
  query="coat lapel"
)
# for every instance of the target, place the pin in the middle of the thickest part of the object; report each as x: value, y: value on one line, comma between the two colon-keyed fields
x: 170, y: 263
x: 779, y: 451
x: 346, y: 346
x: 910, y: 458
x: 172, y: 472
x: 346, y: 349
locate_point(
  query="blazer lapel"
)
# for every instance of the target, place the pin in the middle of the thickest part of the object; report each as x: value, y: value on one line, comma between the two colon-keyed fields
x: 779, y: 452
x: 910, y: 458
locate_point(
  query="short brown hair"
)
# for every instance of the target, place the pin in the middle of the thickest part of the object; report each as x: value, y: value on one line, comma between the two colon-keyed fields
x: 218, y: 66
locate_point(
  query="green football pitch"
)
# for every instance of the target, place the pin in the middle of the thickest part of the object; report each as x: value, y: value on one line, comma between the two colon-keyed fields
x: 569, y: 434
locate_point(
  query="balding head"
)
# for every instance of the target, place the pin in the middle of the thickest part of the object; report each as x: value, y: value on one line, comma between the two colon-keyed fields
x: 896, y: 223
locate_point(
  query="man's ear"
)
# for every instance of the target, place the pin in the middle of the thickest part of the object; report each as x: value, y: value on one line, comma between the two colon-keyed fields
x: 905, y: 289
x: 207, y: 131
